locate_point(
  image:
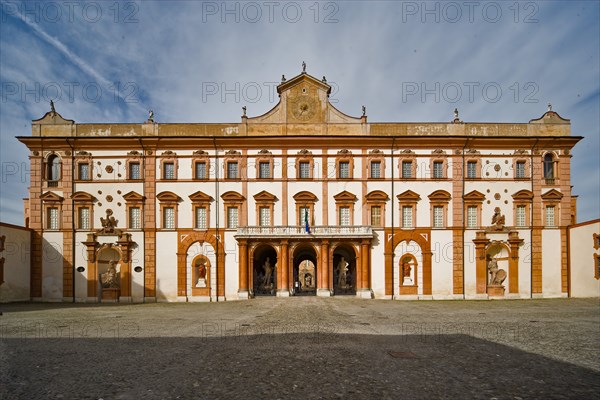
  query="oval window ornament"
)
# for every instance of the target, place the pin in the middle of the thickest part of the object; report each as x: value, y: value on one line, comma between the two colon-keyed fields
x: 138, y: 269
x: 80, y: 269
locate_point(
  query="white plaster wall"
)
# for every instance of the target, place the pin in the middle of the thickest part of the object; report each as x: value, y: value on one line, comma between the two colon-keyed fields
x: 231, y: 266
x: 378, y: 264
x: 441, y: 263
x: 17, y: 264
x: 551, y: 259
x: 137, y: 259
x: 81, y: 260
x: 166, y: 266
x: 525, y: 264
x: 402, y: 249
x: 52, y: 265
x: 583, y: 282
x: 470, y: 277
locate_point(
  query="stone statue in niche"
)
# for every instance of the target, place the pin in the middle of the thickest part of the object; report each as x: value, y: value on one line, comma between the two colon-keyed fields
x: 308, y: 280
x: 201, y: 274
x: 268, y: 269
x: 406, y: 272
x: 109, y: 279
x: 497, y: 276
x: 498, y: 220
x: 342, y: 270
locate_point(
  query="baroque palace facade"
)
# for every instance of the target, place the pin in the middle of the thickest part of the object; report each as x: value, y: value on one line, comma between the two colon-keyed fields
x: 302, y: 200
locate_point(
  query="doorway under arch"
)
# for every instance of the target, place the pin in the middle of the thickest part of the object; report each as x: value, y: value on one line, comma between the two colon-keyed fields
x: 344, y: 270
x: 264, y: 271
x: 305, y: 271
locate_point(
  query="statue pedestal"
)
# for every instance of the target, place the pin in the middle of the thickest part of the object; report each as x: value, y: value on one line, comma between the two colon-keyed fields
x: 110, y: 295
x: 495, y: 290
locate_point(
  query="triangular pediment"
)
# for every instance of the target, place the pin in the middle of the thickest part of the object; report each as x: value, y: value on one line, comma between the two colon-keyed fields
x: 440, y: 195
x: 523, y: 195
x: 133, y: 196
x: 305, y: 196
x: 345, y: 196
x: 200, y: 197
x: 552, y: 194
x: 377, y: 195
x: 409, y: 195
x: 474, y: 196
x: 51, y: 196
x: 303, y: 78
x: 232, y: 196
x: 167, y: 196
x: 265, y: 196
x: 83, y: 196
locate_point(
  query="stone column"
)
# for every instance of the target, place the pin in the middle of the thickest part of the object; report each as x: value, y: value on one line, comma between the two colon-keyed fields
x: 513, y: 262
x: 364, y: 290
x: 283, y: 290
x: 243, y: 270
x: 323, y: 270
x: 480, y: 267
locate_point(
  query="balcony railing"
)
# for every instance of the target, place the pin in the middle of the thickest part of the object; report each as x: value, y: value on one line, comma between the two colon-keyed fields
x: 300, y: 231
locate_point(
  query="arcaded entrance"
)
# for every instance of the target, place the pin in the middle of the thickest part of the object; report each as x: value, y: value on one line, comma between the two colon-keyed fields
x: 305, y: 271
x: 264, y: 271
x: 344, y: 270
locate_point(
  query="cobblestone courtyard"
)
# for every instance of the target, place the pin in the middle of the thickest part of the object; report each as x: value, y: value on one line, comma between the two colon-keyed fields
x: 302, y: 348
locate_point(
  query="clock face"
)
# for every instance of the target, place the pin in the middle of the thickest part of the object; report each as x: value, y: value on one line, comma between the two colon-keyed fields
x: 304, y: 108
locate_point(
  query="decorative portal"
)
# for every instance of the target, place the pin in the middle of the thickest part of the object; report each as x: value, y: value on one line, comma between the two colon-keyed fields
x: 408, y: 271
x: 265, y: 274
x: 307, y: 277
x: 305, y: 271
x: 200, y: 271
x: 344, y: 271
x: 496, y: 256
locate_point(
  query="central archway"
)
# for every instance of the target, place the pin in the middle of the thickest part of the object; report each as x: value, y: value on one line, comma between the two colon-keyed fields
x: 264, y: 271
x: 344, y: 270
x: 305, y: 271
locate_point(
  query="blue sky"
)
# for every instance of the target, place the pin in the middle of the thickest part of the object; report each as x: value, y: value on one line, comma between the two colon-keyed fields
x: 194, y: 61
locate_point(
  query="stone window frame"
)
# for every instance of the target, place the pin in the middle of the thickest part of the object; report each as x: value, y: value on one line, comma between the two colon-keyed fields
x: 168, y: 200
x: 83, y: 200
x: 478, y: 168
x: 527, y: 168
x: 552, y: 198
x: 377, y: 156
x: 473, y: 198
x: 233, y: 156
x: 444, y: 162
x: 52, y: 200
x: 555, y: 179
x: 134, y: 200
x: 408, y: 198
x: 83, y: 158
x: 305, y: 199
x: 407, y: 156
x: 134, y: 157
x: 439, y: 198
x: 265, y: 199
x: 596, y: 239
x: 168, y: 157
x: 200, y: 199
x: 198, y: 157
x: 522, y: 198
x: 344, y: 156
x: 305, y: 156
x: 376, y: 198
x: 596, y: 266
x: 265, y: 156
x: 52, y: 183
x: 345, y: 199
x: 233, y: 199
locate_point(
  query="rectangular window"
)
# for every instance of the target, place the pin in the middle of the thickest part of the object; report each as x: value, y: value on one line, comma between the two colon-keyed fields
x: 232, y: 217
x: 520, y: 220
x: 53, y: 218
x: 472, y: 217
x: 407, y: 169
x: 264, y: 169
x: 304, y: 170
x: 200, y: 170
x: 135, y: 218
x: 200, y: 218
x: 438, y: 169
x: 375, y: 169
x: 168, y: 218
x: 344, y: 170
x: 304, y: 212
x: 471, y: 169
x: 438, y: 216
x: 345, y: 216
x: 407, y: 216
x: 550, y: 216
x: 169, y: 170
x: 232, y: 170
x: 376, y: 216
x: 84, y: 171
x: 520, y: 172
x: 134, y: 170
x: 84, y: 218
x: 264, y: 216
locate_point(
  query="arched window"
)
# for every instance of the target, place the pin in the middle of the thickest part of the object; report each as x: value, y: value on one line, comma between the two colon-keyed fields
x: 548, y: 166
x: 53, y: 165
